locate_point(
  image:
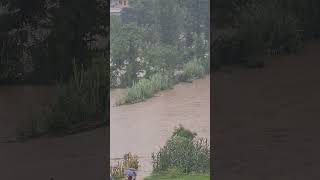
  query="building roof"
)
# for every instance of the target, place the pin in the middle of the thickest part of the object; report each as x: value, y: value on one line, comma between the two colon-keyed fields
x: 115, y: 10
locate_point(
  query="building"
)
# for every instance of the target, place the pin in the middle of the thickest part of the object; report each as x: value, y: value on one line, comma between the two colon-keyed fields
x: 116, y: 6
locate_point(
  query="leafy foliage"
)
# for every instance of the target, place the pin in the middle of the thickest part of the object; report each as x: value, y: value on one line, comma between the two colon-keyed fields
x: 146, y: 88
x: 183, y: 152
x: 82, y: 100
x: 124, y: 53
x: 52, y: 33
x: 161, y: 59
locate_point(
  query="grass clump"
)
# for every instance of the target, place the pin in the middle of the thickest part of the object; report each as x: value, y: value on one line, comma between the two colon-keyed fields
x: 192, y: 70
x: 183, y: 152
x: 146, y: 88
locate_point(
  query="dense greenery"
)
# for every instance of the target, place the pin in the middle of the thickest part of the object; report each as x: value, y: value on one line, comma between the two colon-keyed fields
x: 243, y: 30
x: 183, y: 154
x: 157, y: 36
x: 40, y: 39
x: 146, y: 88
x: 80, y: 103
x: 154, y: 41
x: 83, y: 99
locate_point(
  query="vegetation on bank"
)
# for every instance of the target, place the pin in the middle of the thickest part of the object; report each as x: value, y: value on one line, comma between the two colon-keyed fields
x: 183, y: 154
x: 248, y: 31
x: 83, y: 99
x: 183, y: 157
x: 160, y: 43
x: 146, y: 88
x: 192, y: 70
x: 80, y: 103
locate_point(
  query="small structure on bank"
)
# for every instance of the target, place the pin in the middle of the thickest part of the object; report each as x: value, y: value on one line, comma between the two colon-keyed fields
x: 116, y: 6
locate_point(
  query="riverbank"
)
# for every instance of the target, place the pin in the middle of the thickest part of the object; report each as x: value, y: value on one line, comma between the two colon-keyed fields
x: 146, y: 88
x: 266, y: 120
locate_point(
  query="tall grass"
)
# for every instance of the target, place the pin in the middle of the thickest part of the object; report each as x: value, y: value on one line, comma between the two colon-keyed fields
x: 81, y: 100
x: 76, y: 104
x: 146, y: 88
x: 183, y: 152
x: 192, y: 70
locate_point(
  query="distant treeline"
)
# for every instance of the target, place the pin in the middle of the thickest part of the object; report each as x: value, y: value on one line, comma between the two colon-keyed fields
x: 243, y: 30
x: 40, y: 40
x: 157, y: 36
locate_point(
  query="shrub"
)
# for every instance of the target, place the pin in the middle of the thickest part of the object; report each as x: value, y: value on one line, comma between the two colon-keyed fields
x: 146, y: 88
x: 192, y: 70
x: 187, y: 155
x: 182, y: 132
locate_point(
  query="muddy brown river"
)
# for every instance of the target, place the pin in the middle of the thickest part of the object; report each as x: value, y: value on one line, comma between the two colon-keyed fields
x: 144, y: 127
x: 16, y: 103
x: 80, y: 156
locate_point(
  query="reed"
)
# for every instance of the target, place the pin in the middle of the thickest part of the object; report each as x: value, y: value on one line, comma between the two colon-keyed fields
x: 192, y: 70
x: 146, y: 88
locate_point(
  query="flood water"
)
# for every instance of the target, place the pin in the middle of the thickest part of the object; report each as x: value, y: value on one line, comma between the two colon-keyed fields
x: 144, y: 127
x: 80, y: 156
x: 17, y: 103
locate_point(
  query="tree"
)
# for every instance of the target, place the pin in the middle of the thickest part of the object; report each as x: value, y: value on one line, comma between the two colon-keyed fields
x: 125, y: 49
x: 140, y: 12
x: 169, y: 18
x: 161, y: 59
x: 69, y: 25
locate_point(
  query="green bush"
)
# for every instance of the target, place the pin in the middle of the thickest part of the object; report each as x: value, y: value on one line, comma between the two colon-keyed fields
x: 182, y: 132
x: 146, y: 88
x: 192, y: 70
x: 185, y: 154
